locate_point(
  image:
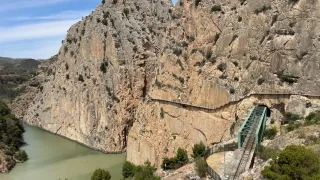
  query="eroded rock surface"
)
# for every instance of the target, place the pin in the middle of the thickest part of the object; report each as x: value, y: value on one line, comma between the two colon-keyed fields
x: 149, y: 77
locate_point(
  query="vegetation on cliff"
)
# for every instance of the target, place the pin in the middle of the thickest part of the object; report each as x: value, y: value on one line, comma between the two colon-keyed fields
x: 176, y: 162
x: 295, y: 162
x: 142, y: 172
x: 101, y: 174
x: 11, y: 138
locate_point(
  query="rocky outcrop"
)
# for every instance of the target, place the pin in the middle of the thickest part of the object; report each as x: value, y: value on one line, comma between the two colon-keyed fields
x: 149, y: 77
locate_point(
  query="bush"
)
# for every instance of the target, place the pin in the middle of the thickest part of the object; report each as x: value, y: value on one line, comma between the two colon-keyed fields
x: 272, y: 121
x: 236, y: 79
x: 201, y: 167
x: 293, y: 1
x: 101, y: 174
x: 161, y: 113
x: 198, y: 150
x: 191, y: 38
x: 80, y: 78
x: 291, y: 117
x: 292, y: 126
x: 287, y: 78
x: 177, y: 52
x: 270, y: 133
x: 266, y: 153
x: 103, y: 67
x: 295, y: 162
x: 313, y: 118
x: 128, y: 169
x: 146, y: 172
x: 21, y: 155
x: 197, y: 2
x: 169, y: 163
x: 232, y: 91
x: 126, y: 11
x: 216, y: 8
x: 260, y: 81
x: 176, y: 162
x: 222, y: 67
x: 182, y: 156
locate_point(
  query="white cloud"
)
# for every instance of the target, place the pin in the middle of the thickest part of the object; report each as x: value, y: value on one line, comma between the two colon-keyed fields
x: 7, y: 5
x: 36, y: 30
x: 42, y: 49
x: 58, y: 16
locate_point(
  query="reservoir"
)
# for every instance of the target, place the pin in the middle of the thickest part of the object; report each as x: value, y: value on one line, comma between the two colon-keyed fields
x: 52, y: 157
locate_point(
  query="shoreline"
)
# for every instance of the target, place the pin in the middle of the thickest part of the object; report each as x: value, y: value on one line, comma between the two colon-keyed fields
x: 92, y: 148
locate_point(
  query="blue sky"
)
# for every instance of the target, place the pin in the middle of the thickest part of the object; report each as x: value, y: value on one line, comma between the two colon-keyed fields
x: 35, y: 28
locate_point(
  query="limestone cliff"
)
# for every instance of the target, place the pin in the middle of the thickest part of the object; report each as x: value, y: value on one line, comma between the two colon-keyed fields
x: 101, y: 74
x: 150, y: 77
x: 220, y: 59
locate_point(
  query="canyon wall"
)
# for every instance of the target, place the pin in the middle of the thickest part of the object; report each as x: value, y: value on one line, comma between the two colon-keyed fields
x: 147, y: 77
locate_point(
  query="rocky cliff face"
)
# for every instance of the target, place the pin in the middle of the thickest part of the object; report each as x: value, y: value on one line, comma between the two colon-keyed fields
x: 148, y: 77
x: 217, y: 54
x: 102, y: 74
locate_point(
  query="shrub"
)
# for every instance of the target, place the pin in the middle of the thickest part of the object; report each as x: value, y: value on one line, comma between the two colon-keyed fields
x: 260, y: 81
x: 198, y: 150
x: 216, y: 8
x: 169, y: 163
x: 272, y: 121
x: 105, y: 22
x: 182, y: 156
x: 292, y: 126
x: 209, y: 54
x: 128, y: 169
x: 262, y: 9
x: 197, y: 2
x: 21, y: 155
x: 146, y: 172
x: 266, y: 153
x: 313, y: 118
x: 191, y: 38
x: 287, y: 78
x: 103, y: 67
x: 126, y: 11
x: 294, y: 162
x: 232, y: 91
x: 201, y: 167
x: 236, y: 79
x: 289, y: 116
x: 177, y: 52
x: 80, y: 78
x: 161, y: 113
x: 101, y: 174
x: 222, y: 67
x: 176, y: 162
x: 67, y: 76
x: 293, y: 1
x: 270, y: 133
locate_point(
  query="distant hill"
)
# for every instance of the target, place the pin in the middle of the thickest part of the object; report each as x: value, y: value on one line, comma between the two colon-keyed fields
x: 17, y: 66
x: 13, y: 73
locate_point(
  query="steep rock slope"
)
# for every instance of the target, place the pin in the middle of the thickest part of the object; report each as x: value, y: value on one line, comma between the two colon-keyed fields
x: 222, y: 58
x: 141, y: 75
x: 101, y: 74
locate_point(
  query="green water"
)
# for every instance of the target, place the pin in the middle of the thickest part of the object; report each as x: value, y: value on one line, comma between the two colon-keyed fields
x: 52, y: 157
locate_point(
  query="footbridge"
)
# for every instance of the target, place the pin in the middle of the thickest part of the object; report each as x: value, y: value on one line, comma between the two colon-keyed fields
x: 249, y: 136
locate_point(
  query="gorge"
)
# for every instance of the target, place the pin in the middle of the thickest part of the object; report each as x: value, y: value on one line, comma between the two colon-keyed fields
x: 145, y: 77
